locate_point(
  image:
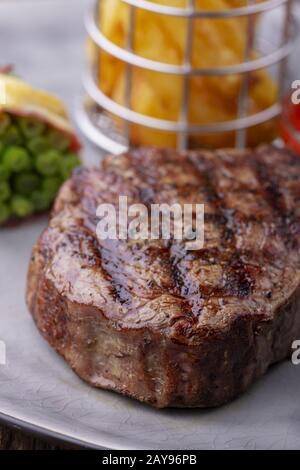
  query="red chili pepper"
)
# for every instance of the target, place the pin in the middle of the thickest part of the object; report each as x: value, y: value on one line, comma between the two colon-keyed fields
x: 290, y: 125
x: 6, y: 68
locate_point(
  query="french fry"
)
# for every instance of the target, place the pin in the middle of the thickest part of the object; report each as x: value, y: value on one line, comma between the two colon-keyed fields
x: 216, y: 43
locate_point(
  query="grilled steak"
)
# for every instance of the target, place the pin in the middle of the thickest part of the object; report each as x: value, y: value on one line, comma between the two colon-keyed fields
x: 154, y: 321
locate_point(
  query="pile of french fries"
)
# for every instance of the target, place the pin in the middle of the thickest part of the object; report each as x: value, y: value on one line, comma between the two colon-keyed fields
x: 216, y: 43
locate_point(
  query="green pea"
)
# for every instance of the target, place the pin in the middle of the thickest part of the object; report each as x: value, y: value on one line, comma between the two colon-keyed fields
x: 41, y: 200
x: 5, y: 191
x: 38, y: 145
x: 58, y: 140
x: 67, y: 164
x: 51, y: 185
x: 4, y: 123
x: 4, y: 213
x: 21, y: 206
x: 30, y: 127
x: 47, y: 163
x: 1, y: 150
x: 11, y: 136
x: 16, y: 159
x: 25, y: 183
x: 4, y: 172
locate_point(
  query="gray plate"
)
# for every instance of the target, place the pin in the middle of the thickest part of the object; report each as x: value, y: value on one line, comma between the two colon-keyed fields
x: 37, y: 389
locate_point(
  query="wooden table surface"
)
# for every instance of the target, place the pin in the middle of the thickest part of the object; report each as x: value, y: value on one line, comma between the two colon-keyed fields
x: 14, y: 439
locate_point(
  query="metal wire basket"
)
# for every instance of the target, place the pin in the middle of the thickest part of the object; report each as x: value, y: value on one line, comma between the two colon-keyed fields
x: 97, y: 110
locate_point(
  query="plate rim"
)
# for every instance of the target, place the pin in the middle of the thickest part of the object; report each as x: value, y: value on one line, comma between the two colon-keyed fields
x: 47, y: 432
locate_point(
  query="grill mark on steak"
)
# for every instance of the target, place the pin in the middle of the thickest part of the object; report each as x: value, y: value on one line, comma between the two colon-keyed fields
x: 122, y: 265
x: 270, y: 191
x: 112, y: 265
x: 237, y: 279
x: 161, y: 250
x: 177, y: 286
x: 87, y: 233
